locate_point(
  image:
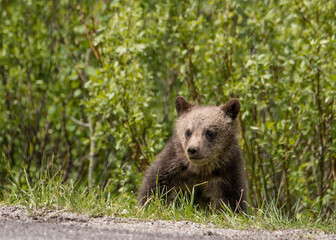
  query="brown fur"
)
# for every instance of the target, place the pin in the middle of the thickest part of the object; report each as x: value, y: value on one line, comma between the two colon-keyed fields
x: 203, y: 151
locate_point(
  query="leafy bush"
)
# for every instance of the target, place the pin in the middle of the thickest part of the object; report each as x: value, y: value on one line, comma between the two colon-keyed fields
x: 42, y: 45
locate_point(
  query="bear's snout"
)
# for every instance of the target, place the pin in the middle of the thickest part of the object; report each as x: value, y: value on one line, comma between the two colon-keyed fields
x: 193, y: 150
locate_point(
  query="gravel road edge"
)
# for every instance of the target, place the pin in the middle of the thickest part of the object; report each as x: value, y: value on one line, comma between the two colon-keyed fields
x: 19, y: 223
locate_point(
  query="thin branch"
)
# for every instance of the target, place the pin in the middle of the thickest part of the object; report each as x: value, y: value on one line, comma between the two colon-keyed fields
x: 92, y: 153
x: 83, y: 124
x: 95, y: 51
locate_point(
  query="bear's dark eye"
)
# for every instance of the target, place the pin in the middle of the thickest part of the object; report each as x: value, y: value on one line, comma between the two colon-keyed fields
x: 210, y: 134
x: 187, y: 134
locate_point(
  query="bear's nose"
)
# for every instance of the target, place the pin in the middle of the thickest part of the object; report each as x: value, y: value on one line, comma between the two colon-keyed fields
x: 192, y: 151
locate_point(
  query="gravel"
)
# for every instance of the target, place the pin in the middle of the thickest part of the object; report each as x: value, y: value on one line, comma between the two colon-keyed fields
x: 18, y: 223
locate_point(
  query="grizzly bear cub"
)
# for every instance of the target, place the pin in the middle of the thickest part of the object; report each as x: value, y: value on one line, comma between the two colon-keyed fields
x: 203, y: 156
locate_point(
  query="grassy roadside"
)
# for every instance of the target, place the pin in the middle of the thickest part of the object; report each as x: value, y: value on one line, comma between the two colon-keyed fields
x: 51, y: 193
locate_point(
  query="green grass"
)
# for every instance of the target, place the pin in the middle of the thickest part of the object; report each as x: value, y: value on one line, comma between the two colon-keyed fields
x: 51, y: 193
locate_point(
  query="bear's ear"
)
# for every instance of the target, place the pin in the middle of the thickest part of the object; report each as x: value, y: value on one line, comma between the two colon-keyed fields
x: 182, y: 105
x: 231, y: 108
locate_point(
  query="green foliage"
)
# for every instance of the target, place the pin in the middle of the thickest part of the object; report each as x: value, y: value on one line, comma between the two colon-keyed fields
x: 100, y: 88
x: 40, y: 88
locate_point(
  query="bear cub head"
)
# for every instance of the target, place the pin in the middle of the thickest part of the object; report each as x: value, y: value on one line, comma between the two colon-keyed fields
x: 206, y: 133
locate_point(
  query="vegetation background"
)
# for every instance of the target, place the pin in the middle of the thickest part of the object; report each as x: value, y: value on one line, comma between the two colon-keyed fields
x: 87, y: 90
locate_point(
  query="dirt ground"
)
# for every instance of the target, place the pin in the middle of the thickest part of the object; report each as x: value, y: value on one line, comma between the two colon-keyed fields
x: 18, y: 223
